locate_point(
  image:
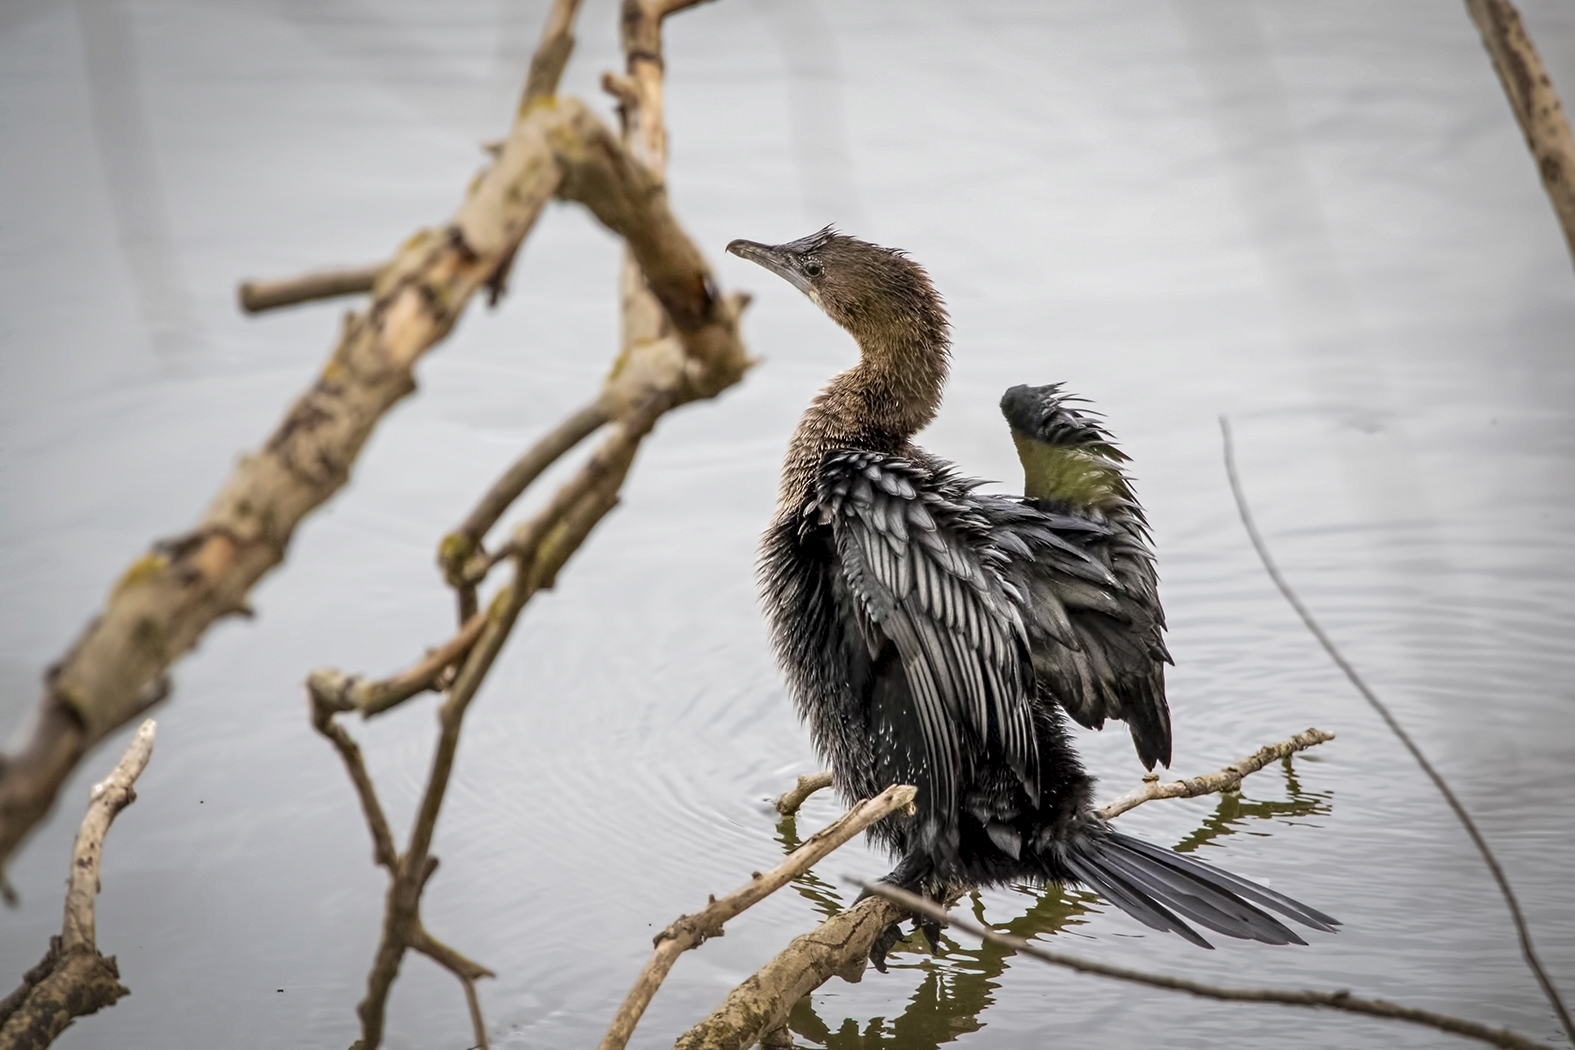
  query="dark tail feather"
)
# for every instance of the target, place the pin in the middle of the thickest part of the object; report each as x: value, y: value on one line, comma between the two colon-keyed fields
x: 1286, y: 906
x: 1133, y: 901
x: 1157, y: 887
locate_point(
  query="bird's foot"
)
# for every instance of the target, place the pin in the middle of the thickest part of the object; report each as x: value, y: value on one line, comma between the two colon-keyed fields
x: 932, y: 933
x: 884, y: 943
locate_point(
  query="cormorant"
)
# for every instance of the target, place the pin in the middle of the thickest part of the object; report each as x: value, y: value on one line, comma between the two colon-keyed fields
x: 932, y: 634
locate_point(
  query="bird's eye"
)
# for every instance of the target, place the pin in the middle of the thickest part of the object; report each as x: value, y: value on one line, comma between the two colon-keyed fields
x: 812, y: 268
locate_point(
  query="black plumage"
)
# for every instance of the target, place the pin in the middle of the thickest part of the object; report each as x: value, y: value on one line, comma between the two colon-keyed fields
x: 932, y: 634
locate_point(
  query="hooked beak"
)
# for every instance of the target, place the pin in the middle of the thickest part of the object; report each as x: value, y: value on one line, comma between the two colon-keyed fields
x: 774, y: 258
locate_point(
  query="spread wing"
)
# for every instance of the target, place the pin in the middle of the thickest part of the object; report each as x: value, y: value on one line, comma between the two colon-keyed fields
x: 926, y: 580
x: 1095, y: 625
x: 1097, y: 636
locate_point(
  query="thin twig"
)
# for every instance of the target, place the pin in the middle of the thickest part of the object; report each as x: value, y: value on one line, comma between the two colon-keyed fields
x: 464, y: 969
x: 110, y: 795
x: 790, y: 800
x: 323, y: 698
x: 341, y: 692
x: 257, y: 296
x: 459, y: 545
x: 690, y: 931
x: 611, y: 460
x: 551, y: 538
x: 1212, y: 783
x: 1526, y: 948
x: 461, y: 555
x: 1341, y: 1000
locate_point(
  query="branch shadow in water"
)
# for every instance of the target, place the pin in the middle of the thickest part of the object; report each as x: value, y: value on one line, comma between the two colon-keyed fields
x: 959, y: 982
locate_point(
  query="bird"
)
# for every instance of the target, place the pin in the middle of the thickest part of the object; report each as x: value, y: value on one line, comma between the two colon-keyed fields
x: 936, y: 635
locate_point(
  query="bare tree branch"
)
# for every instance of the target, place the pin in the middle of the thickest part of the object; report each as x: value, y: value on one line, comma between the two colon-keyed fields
x: 1212, y: 783
x: 257, y: 296
x: 789, y: 801
x: 74, y: 979
x: 168, y: 598
x: 690, y: 931
x: 1341, y: 1000
x: 340, y: 692
x: 1535, y: 104
x: 1527, y: 950
x: 703, y: 357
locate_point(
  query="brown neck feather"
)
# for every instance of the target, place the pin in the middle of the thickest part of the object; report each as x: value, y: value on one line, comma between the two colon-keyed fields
x: 878, y: 404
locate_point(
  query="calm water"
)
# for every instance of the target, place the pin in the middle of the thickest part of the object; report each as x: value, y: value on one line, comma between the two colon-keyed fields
x: 1318, y: 219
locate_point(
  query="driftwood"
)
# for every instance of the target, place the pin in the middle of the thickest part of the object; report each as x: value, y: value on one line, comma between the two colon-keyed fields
x: 841, y: 944
x: 691, y: 931
x: 1342, y: 1000
x: 1535, y: 104
x: 74, y: 980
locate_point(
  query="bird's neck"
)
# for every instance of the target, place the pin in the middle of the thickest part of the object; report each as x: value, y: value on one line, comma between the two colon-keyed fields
x: 879, y: 405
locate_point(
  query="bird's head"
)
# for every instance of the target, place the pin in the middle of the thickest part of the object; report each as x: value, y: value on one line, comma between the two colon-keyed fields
x: 882, y: 297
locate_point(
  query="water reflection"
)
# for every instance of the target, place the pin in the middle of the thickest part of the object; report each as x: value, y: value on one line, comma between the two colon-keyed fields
x: 959, y: 981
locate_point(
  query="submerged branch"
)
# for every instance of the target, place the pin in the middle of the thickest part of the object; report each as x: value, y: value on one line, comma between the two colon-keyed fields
x: 1527, y: 950
x: 1341, y: 1000
x: 1212, y: 783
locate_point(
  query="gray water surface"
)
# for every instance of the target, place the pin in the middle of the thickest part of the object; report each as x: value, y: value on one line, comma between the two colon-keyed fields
x: 1318, y: 219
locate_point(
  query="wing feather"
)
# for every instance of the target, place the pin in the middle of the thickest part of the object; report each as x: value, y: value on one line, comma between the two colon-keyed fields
x: 923, y: 565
